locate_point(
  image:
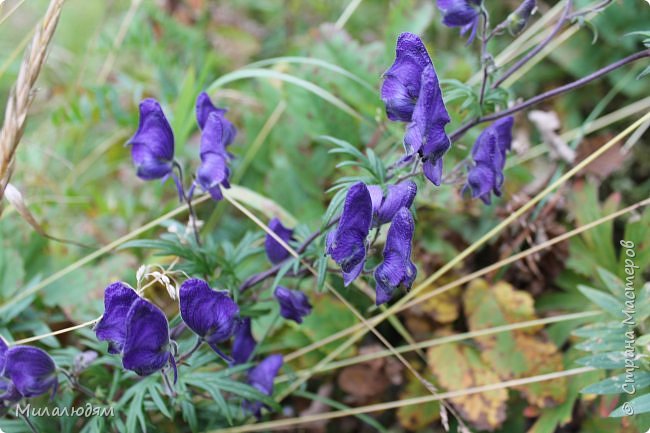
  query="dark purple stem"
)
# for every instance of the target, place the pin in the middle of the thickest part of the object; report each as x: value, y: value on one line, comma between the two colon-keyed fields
x: 484, y: 53
x: 532, y: 53
x: 190, y: 352
x: 551, y: 93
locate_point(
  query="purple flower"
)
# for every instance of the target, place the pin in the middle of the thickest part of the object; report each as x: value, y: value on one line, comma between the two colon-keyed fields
x: 518, y: 19
x: 401, y: 86
x: 261, y: 378
x: 397, y: 270
x: 347, y: 244
x: 385, y: 206
x: 152, y: 146
x: 274, y: 251
x: 118, y: 299
x: 209, y: 313
x: 489, y: 155
x: 31, y: 370
x: 461, y: 13
x: 213, y: 171
x: 147, y: 344
x: 294, y: 304
x: 244, y: 344
x: 426, y: 134
x: 204, y: 108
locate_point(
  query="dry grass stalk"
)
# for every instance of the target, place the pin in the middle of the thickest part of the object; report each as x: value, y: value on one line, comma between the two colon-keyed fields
x: 21, y: 94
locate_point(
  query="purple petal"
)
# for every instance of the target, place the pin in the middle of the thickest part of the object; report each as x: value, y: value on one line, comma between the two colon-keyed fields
x: 397, y: 270
x: 146, y: 347
x: 262, y: 377
x: 244, y: 343
x: 457, y: 13
x: 118, y: 299
x: 209, y: 313
x: 401, y: 85
x: 352, y: 274
x: 274, y: 251
x: 31, y: 370
x: 214, y: 136
x: 204, y: 108
x: 481, y: 180
x: 433, y: 171
x: 347, y: 244
x: 8, y: 392
x: 152, y: 146
x: 212, y: 174
x: 426, y: 133
x: 489, y: 155
x: 398, y: 196
x: 294, y: 304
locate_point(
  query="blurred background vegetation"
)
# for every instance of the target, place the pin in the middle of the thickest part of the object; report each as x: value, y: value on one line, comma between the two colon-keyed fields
x: 76, y: 173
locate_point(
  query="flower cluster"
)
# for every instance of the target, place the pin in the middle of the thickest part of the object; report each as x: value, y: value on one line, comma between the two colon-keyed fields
x: 411, y: 92
x: 25, y: 372
x: 152, y: 146
x: 136, y: 329
x: 139, y: 332
x: 367, y: 206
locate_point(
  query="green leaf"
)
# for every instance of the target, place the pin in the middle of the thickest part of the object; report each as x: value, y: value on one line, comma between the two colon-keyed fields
x: 607, y: 360
x: 313, y: 62
x: 276, y: 75
x: 606, y: 343
x: 154, y: 393
x: 599, y: 330
x: 605, y: 301
x: 614, y: 385
x: 611, y: 282
x: 634, y: 407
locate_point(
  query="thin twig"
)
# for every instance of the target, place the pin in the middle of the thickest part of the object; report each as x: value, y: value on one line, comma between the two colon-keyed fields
x: 287, y: 422
x: 454, y: 136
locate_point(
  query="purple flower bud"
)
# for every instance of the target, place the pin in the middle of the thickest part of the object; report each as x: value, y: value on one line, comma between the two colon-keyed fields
x: 426, y: 133
x: 214, y: 172
x: 31, y: 371
x: 209, y: 313
x: 152, y: 146
x: 118, y: 299
x: 204, y: 108
x: 461, y: 13
x: 347, y: 244
x: 401, y: 86
x: 518, y: 19
x: 489, y: 155
x: 261, y: 378
x: 274, y: 251
x: 384, y: 207
x: 294, y: 304
x: 147, y: 344
x: 244, y: 343
x: 397, y: 270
